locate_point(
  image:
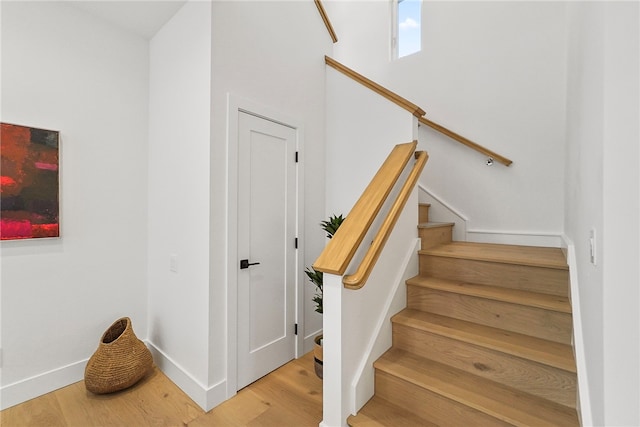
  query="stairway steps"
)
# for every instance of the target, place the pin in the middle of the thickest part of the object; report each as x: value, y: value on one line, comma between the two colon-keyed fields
x: 533, y: 269
x: 449, y: 396
x: 413, y: 332
x: 435, y: 233
x: 423, y: 212
x: 378, y: 412
x: 531, y: 348
x: 513, y: 296
x: 523, y: 319
x: 430, y: 225
x: 508, y: 254
x: 485, y: 339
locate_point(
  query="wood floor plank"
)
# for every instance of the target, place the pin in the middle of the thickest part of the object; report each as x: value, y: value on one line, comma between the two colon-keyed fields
x: 280, y: 417
x: 155, y: 401
x: 291, y: 396
x: 238, y: 411
x: 288, y: 401
x: 42, y: 411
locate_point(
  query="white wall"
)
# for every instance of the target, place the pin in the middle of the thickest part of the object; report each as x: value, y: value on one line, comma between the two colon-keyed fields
x: 362, y: 129
x: 501, y: 73
x: 174, y: 185
x: 269, y: 55
x: 602, y: 194
x: 359, y: 139
x: 583, y: 186
x: 179, y: 197
x: 63, y: 70
x: 621, y: 213
x: 493, y: 72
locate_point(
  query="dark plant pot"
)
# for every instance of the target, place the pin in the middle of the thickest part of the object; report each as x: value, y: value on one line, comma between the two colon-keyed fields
x: 317, y: 356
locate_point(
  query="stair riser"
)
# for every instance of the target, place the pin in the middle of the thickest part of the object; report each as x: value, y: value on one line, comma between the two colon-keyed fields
x: 429, y: 405
x: 380, y: 413
x: 540, y: 323
x: 544, y: 381
x: 535, y: 279
x: 431, y: 237
x: 423, y: 213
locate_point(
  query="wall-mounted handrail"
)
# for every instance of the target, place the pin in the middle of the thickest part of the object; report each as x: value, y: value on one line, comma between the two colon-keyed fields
x: 381, y: 90
x: 359, y: 278
x: 327, y: 23
x: 461, y: 139
x: 413, y: 109
x: 340, y: 250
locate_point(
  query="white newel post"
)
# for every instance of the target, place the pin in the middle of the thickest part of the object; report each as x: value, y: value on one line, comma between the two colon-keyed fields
x: 334, y: 393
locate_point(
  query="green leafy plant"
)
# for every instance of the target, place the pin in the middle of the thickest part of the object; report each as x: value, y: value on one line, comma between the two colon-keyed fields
x: 330, y: 227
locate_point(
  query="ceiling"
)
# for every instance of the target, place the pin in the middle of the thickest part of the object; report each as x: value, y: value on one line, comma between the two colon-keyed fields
x: 142, y: 17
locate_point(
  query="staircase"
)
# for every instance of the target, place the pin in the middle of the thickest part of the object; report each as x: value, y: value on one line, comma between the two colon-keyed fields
x: 485, y: 339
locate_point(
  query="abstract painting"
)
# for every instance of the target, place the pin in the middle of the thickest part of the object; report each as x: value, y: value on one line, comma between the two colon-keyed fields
x: 29, y: 184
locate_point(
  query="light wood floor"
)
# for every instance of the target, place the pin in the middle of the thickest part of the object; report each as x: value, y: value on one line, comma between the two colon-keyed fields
x: 289, y: 396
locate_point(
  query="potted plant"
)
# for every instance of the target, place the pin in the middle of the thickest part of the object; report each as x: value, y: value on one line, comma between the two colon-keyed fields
x: 330, y: 227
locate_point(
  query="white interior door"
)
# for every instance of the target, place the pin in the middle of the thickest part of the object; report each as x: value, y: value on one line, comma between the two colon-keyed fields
x: 266, y: 246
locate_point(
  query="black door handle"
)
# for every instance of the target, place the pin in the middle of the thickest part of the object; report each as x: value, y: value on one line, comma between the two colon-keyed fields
x: 244, y: 263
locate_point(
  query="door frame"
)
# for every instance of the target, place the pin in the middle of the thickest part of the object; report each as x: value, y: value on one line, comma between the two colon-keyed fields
x: 236, y: 105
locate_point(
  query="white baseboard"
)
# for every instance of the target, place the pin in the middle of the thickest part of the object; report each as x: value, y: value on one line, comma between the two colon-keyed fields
x: 21, y: 391
x: 526, y: 238
x: 584, y: 397
x: 205, y: 397
x: 308, y: 342
x: 443, y: 211
x: 30, y: 388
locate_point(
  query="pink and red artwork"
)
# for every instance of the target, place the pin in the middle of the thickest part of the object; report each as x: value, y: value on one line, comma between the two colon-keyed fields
x: 29, y: 185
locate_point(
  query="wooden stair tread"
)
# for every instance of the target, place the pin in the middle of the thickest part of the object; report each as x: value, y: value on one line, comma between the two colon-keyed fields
x: 514, y: 296
x: 378, y: 412
x: 501, y: 402
x: 549, y: 353
x: 508, y: 254
x: 432, y: 224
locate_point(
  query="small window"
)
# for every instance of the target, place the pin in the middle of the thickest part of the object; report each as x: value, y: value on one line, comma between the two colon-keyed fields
x: 406, y: 26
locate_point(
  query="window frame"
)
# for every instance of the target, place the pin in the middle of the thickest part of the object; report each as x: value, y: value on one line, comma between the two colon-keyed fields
x: 395, y: 30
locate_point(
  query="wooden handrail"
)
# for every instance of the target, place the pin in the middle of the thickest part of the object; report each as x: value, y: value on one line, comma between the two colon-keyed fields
x: 359, y: 278
x: 461, y: 139
x: 381, y: 90
x: 327, y: 23
x: 340, y: 250
x: 413, y: 109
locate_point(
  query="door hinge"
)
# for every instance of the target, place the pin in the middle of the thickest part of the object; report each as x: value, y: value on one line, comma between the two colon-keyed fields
x: 296, y: 243
x: 296, y: 157
x: 295, y: 329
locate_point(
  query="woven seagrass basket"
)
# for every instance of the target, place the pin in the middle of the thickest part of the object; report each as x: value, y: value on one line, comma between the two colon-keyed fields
x: 120, y: 361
